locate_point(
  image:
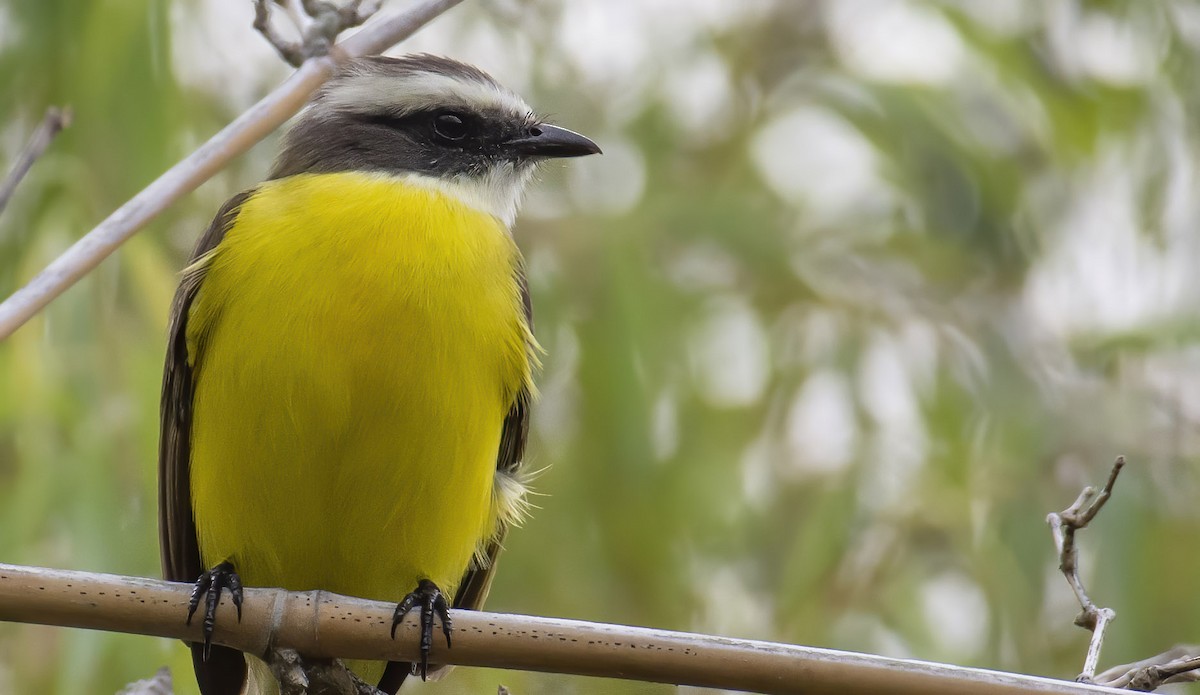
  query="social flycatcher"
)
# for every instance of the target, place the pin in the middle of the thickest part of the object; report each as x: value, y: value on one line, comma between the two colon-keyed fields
x: 348, y: 375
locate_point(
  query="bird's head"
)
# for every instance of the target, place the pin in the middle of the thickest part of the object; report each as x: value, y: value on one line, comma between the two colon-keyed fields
x: 434, y: 121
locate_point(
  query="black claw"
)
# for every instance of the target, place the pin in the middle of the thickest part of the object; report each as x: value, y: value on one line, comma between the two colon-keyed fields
x: 209, y: 586
x: 198, y: 590
x: 235, y: 591
x: 432, y: 602
x: 443, y: 611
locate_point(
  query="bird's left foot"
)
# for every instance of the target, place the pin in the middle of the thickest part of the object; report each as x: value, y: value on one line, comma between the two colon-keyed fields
x: 209, y: 586
x: 432, y: 602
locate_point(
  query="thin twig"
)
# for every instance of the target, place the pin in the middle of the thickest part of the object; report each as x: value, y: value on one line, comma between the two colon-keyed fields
x: 362, y: 9
x: 1177, y: 665
x: 318, y: 30
x: 290, y: 51
x: 211, y: 157
x: 52, y: 124
x: 1100, y: 620
x: 1063, y: 526
x: 1180, y: 664
x: 322, y: 625
x: 1185, y: 670
x: 296, y: 14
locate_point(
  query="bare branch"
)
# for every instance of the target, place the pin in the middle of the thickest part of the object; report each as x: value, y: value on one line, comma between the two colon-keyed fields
x: 1100, y: 618
x: 361, y: 11
x: 1185, y: 670
x: 1176, y: 665
x: 1063, y: 526
x: 296, y: 13
x: 322, y: 625
x: 198, y: 167
x: 318, y: 30
x: 290, y: 51
x: 52, y: 124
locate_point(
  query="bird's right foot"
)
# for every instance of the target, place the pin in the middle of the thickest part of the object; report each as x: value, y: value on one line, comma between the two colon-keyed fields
x: 428, y: 598
x: 212, y: 583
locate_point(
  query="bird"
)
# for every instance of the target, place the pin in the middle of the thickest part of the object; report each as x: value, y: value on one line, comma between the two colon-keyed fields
x: 350, y: 360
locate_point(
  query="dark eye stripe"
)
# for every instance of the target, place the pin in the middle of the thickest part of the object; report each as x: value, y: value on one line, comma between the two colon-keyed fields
x: 445, y: 127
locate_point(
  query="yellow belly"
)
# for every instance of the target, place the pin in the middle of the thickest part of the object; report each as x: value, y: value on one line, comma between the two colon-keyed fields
x: 357, y: 343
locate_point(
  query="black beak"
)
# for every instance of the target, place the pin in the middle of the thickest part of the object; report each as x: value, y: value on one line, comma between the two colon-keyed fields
x: 545, y: 140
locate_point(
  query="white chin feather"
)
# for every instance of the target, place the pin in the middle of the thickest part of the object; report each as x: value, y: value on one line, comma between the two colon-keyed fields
x: 497, y: 193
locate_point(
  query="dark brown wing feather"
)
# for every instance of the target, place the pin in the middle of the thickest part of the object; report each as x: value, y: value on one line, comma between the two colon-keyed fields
x: 477, y: 581
x: 225, y: 670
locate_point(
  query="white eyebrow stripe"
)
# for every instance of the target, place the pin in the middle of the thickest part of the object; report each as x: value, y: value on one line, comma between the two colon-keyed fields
x: 417, y: 91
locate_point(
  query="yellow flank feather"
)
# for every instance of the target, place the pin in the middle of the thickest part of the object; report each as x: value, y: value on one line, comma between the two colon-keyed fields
x: 357, y: 342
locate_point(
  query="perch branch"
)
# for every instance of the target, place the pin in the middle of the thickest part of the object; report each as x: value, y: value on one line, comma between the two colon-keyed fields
x: 199, y: 166
x: 52, y: 124
x: 323, y: 625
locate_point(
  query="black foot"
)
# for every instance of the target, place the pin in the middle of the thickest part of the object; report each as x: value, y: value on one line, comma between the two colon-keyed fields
x: 212, y: 582
x: 432, y: 601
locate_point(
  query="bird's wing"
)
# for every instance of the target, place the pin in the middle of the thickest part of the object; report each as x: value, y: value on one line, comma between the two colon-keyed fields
x: 475, y: 584
x: 225, y: 669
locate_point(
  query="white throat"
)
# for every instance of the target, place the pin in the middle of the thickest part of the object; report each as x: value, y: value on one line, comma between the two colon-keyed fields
x: 497, y: 193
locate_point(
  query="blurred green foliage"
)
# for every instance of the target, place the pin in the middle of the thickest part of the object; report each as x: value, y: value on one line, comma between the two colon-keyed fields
x: 859, y: 293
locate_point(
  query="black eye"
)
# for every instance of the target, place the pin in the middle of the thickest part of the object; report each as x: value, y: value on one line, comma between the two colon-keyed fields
x: 450, y: 126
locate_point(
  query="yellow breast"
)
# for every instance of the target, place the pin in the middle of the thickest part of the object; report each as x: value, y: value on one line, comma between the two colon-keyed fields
x: 357, y: 342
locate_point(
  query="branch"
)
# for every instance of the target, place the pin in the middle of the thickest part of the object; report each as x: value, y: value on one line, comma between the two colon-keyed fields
x: 318, y: 30
x: 1063, y: 526
x: 291, y: 51
x: 211, y: 157
x: 1176, y: 665
x: 322, y: 625
x: 52, y: 124
x: 1173, y: 666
